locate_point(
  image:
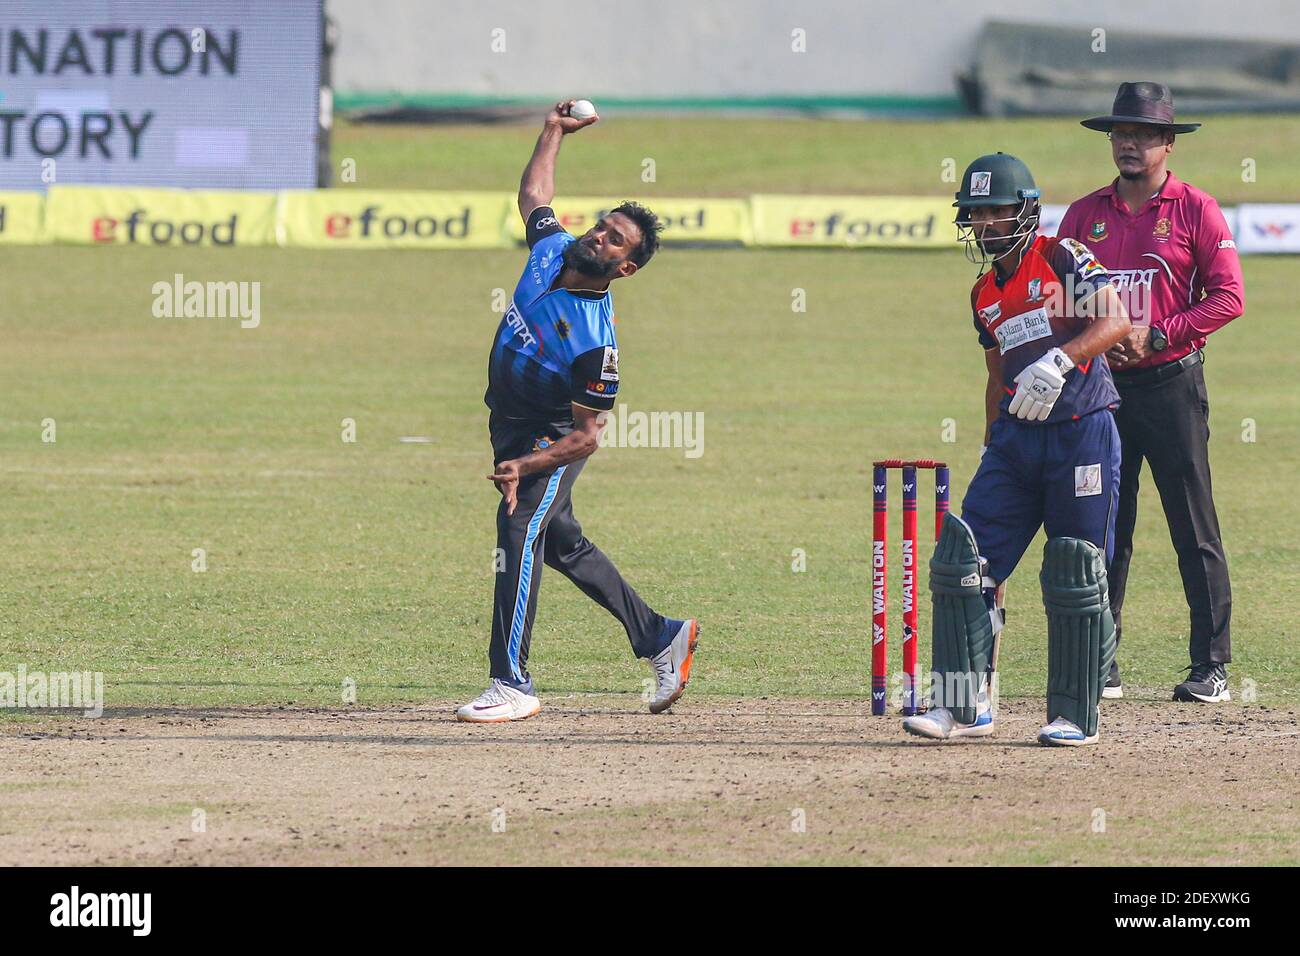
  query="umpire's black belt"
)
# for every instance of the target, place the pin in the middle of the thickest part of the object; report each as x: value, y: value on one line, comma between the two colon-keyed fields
x: 1145, y: 377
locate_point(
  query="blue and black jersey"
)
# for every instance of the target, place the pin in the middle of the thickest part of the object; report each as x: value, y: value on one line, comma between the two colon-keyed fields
x: 555, y: 346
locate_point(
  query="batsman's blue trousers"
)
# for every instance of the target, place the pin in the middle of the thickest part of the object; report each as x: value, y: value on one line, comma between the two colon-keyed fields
x: 1063, y: 477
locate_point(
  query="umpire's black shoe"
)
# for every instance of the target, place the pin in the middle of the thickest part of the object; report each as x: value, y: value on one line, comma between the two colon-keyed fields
x: 1113, y: 690
x: 1207, y: 683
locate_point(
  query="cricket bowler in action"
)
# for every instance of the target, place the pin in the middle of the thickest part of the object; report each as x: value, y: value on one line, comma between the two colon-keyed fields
x: 553, y: 369
x: 1044, y: 313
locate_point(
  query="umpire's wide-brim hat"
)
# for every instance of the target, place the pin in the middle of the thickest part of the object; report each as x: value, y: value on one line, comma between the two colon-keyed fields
x: 1149, y: 103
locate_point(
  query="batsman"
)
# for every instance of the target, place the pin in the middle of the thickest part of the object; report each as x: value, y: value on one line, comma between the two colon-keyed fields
x: 1044, y: 312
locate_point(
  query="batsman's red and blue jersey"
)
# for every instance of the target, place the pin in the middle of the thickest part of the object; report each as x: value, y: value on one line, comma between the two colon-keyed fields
x: 1061, y: 474
x: 1043, y: 305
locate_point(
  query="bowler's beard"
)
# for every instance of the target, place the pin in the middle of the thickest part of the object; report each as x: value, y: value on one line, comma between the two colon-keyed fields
x: 585, y: 262
x: 1131, y: 175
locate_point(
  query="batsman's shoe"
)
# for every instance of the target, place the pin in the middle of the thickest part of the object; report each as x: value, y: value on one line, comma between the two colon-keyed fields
x: 1063, y: 733
x: 672, y: 665
x: 938, y: 723
x: 1113, y: 690
x: 499, y: 703
x: 1206, y: 682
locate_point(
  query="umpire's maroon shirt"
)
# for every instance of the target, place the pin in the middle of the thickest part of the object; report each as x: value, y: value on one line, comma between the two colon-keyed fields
x: 1173, y: 260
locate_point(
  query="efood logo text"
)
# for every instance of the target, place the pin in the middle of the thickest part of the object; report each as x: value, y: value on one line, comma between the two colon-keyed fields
x: 75, y: 908
x: 139, y: 228
x: 693, y: 219
x: 839, y: 226
x: 373, y: 223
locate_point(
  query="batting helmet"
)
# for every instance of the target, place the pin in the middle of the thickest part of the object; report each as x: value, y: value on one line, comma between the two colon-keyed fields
x: 998, y: 179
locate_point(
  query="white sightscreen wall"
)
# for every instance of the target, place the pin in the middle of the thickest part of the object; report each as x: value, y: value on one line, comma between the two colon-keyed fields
x: 720, y: 48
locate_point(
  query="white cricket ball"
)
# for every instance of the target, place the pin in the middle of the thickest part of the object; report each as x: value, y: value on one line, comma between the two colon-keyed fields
x: 582, y: 109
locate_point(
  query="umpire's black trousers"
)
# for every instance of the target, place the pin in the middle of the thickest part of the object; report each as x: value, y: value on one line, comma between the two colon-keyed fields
x: 1167, y: 424
x: 543, y: 530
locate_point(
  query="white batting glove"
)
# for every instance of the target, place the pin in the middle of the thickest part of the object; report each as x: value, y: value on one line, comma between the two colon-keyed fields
x: 1039, y: 386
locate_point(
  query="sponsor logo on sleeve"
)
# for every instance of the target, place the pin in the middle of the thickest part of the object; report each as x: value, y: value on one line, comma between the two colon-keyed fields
x: 609, y: 366
x: 1077, y: 249
x: 1227, y: 244
x: 1087, y: 262
x: 991, y: 313
x: 1087, y: 480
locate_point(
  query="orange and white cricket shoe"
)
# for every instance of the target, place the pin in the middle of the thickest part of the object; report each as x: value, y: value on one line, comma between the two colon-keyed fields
x: 672, y: 665
x: 499, y: 703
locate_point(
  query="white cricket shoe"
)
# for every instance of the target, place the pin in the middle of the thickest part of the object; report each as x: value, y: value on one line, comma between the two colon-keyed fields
x: 500, y: 702
x: 1113, y: 688
x: 672, y: 665
x: 1064, y: 733
x: 938, y: 723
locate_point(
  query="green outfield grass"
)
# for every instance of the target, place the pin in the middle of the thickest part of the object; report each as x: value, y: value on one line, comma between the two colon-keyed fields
x: 736, y: 157
x: 372, y: 561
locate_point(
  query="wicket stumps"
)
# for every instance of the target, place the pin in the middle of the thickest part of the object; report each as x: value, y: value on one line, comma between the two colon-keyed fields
x: 880, y: 574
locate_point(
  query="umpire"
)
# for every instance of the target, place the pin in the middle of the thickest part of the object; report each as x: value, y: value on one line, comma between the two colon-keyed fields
x: 1170, y: 254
